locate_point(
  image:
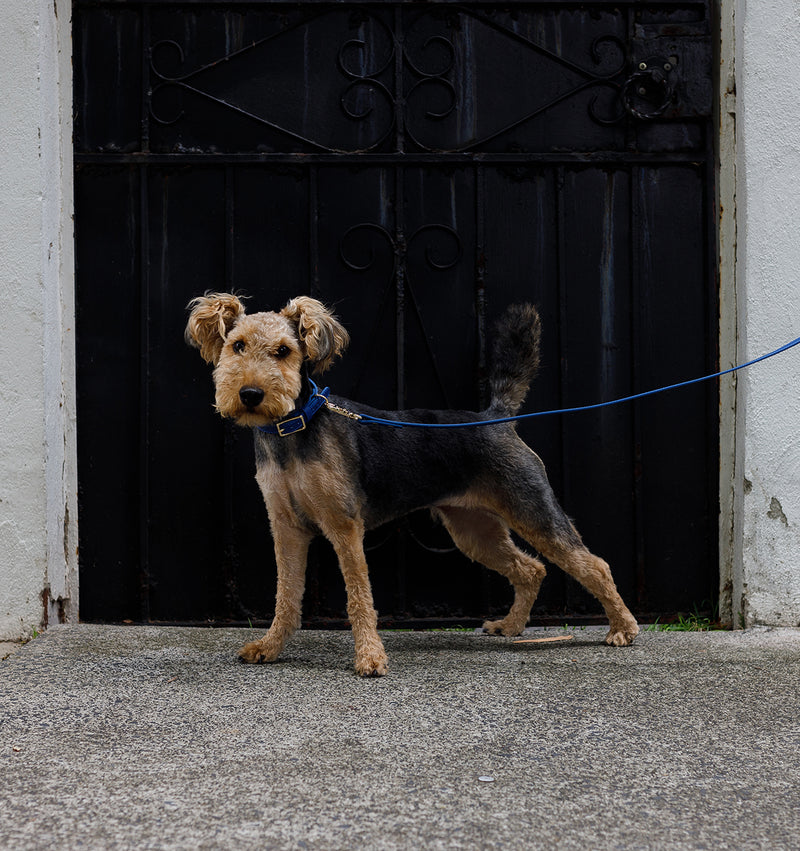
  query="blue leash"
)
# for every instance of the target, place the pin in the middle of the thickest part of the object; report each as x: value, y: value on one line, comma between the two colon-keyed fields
x: 366, y: 418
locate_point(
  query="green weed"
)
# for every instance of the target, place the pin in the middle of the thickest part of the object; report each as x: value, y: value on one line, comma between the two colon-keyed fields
x: 695, y: 622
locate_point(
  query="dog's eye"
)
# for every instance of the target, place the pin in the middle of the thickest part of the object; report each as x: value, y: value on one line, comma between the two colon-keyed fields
x: 238, y: 346
x: 282, y: 351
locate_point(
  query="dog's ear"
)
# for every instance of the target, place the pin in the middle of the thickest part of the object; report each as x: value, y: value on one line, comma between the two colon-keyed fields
x: 211, y: 319
x: 318, y: 330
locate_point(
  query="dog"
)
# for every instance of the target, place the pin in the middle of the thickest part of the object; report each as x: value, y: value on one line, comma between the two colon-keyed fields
x: 322, y: 472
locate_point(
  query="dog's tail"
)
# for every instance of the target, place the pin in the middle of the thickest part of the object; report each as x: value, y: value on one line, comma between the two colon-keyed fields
x: 515, y: 358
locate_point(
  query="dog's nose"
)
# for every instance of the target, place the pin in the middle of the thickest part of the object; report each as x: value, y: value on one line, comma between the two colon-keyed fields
x: 251, y: 396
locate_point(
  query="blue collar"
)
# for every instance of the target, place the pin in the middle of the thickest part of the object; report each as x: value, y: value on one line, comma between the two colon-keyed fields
x: 299, y: 418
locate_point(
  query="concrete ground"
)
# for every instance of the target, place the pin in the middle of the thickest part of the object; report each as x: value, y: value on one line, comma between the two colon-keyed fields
x: 7, y: 648
x: 156, y: 738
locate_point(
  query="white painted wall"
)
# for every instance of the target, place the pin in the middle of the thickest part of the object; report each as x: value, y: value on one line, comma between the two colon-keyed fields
x: 37, y: 454
x: 760, y: 306
x: 767, y: 582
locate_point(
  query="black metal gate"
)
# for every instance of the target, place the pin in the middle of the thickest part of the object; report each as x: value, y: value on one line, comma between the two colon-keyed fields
x: 421, y: 165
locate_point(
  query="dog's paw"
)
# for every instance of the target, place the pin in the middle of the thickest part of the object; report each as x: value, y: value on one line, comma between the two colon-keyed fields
x: 372, y: 666
x: 502, y: 628
x: 256, y: 653
x: 622, y: 635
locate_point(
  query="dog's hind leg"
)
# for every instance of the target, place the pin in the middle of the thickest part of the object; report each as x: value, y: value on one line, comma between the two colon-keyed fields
x: 484, y: 538
x: 595, y: 575
x: 532, y: 511
x: 291, y: 552
x: 555, y: 538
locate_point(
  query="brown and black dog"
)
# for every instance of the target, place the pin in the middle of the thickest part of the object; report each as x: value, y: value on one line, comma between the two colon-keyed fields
x: 322, y: 472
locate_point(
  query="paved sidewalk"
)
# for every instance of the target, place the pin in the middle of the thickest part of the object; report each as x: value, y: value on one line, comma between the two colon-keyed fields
x: 145, y: 737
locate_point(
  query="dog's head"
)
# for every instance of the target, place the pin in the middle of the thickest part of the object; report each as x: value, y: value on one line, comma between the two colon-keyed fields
x: 258, y: 357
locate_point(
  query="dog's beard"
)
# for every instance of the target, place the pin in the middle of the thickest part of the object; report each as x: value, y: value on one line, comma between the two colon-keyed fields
x: 270, y: 410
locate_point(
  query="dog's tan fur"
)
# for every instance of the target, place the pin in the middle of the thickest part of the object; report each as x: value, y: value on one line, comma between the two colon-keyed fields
x: 329, y: 479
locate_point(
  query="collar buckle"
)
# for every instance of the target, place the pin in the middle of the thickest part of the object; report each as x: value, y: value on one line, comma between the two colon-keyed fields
x: 291, y: 426
x: 297, y: 420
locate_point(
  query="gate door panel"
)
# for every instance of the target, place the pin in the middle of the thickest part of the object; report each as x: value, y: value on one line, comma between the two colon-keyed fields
x: 420, y: 166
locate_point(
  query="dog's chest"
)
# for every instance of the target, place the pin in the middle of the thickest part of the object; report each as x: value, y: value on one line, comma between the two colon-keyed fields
x: 310, y: 490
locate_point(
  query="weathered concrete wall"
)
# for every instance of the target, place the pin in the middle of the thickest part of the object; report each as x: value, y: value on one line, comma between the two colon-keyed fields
x: 38, y: 484
x: 767, y: 587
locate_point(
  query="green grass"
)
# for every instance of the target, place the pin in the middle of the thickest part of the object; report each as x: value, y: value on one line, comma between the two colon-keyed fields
x: 695, y: 622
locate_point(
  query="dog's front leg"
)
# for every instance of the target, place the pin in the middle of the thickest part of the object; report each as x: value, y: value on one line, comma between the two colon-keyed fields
x: 370, y: 656
x: 291, y: 553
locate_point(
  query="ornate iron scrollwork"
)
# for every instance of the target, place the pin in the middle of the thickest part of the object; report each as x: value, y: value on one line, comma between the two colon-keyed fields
x: 367, y: 104
x: 436, y: 245
x: 442, y: 248
x: 356, y: 248
x: 444, y: 69
x: 359, y: 96
x: 437, y: 106
x: 171, y: 82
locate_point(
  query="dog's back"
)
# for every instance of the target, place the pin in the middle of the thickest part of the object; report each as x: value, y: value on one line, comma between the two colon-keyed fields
x: 515, y: 358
